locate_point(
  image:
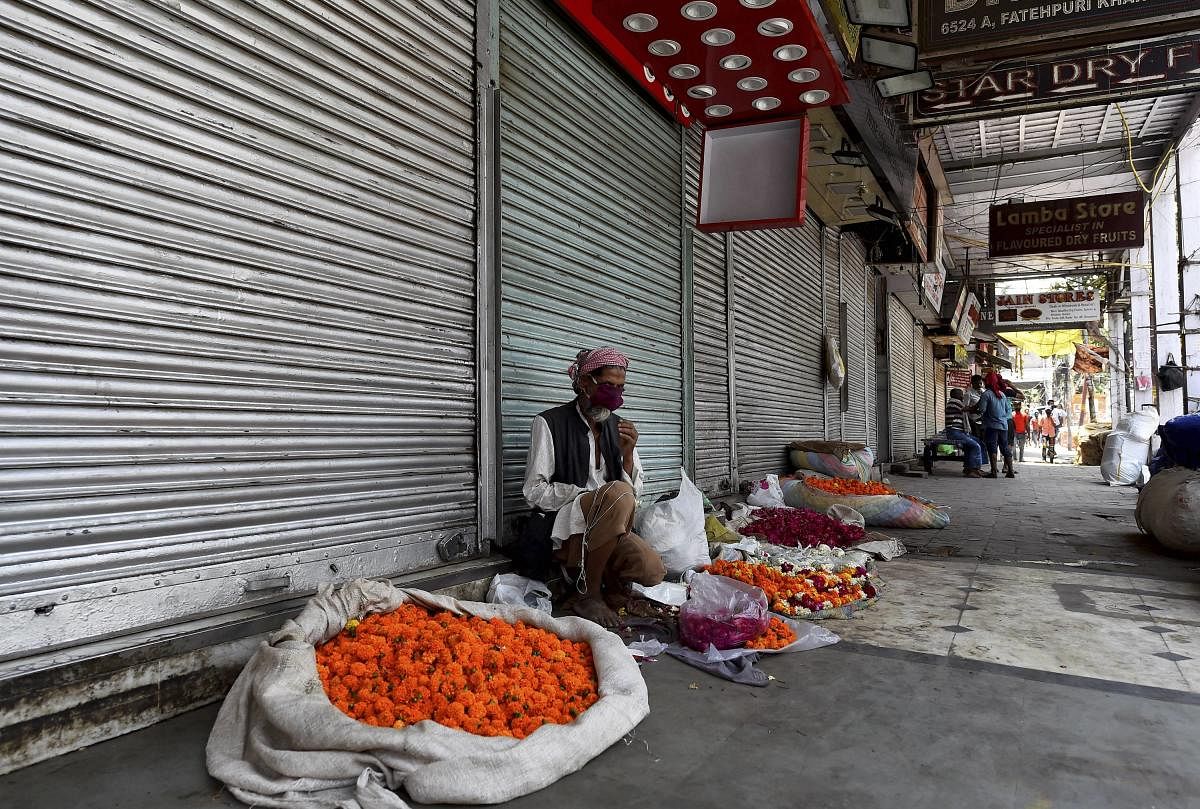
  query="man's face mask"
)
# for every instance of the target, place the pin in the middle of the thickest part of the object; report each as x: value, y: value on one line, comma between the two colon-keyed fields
x: 607, y: 396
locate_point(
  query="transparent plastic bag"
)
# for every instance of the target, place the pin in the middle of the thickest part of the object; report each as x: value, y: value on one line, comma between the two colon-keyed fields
x: 722, y: 612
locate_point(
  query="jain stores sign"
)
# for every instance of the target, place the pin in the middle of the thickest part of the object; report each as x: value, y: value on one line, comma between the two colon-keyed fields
x: 1075, y: 224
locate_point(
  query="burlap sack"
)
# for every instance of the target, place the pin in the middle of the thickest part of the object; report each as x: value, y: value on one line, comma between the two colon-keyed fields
x: 279, y: 741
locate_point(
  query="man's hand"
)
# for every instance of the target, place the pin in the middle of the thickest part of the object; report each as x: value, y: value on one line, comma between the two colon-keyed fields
x: 629, y: 439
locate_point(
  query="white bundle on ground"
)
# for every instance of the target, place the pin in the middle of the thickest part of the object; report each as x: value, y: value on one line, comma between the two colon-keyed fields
x: 675, y: 528
x: 278, y: 741
x: 1168, y: 509
x: 1124, y: 457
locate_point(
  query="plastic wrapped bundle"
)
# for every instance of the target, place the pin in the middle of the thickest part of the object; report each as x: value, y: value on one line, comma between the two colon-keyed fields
x: 884, y: 510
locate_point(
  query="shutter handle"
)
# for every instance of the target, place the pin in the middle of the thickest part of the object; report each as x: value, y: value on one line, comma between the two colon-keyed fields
x: 278, y: 583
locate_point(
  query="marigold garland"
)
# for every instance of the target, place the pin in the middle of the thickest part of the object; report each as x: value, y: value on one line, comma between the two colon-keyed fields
x: 799, y: 592
x: 486, y: 677
x: 778, y: 635
x: 848, y: 486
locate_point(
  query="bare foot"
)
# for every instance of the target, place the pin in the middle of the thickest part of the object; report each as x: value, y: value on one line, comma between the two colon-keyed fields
x: 594, y: 609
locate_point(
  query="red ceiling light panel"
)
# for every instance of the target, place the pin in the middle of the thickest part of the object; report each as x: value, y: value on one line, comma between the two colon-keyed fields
x: 719, y: 61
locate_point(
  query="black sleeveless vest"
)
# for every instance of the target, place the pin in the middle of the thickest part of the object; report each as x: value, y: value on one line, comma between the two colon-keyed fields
x: 570, y: 435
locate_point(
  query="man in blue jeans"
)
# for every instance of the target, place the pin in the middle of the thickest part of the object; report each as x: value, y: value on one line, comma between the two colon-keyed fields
x: 956, y: 429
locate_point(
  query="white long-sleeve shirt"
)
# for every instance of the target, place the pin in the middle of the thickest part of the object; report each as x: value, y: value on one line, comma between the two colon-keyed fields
x: 564, y: 497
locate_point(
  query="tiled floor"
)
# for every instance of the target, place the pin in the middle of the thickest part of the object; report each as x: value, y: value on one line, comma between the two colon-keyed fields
x: 1048, y: 573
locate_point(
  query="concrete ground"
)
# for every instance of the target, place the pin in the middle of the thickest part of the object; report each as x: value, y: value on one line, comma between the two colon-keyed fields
x: 1037, y: 653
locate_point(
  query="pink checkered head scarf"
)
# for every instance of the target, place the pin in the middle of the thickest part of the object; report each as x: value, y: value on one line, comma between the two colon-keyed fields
x: 587, y: 361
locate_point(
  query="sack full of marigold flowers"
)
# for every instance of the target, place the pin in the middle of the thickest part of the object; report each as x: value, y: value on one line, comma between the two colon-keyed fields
x: 373, y: 688
x: 878, y: 503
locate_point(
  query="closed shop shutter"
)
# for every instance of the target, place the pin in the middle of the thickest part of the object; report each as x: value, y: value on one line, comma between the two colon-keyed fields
x: 860, y: 346
x: 777, y: 308
x: 831, y: 298
x: 903, y: 370
x: 939, y: 392
x: 238, y: 304
x: 590, y: 247
x: 931, y: 385
x: 710, y: 340
x: 876, y: 404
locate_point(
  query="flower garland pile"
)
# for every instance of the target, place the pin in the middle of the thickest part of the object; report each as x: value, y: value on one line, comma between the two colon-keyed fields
x: 777, y: 636
x: 802, y: 527
x: 848, y: 486
x: 486, y: 677
x: 792, y: 591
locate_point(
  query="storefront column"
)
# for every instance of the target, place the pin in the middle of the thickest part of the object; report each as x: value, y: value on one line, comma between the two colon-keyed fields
x: 1164, y: 255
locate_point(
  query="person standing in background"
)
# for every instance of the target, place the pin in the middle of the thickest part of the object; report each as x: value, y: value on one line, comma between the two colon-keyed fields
x: 971, y: 408
x: 996, y: 410
x: 1021, y: 421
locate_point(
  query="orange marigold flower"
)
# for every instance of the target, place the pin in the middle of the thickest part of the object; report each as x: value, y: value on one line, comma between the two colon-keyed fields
x: 484, y: 676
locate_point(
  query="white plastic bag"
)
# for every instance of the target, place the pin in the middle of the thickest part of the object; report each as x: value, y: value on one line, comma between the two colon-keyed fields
x: 675, y: 528
x: 1124, y: 457
x: 1140, y: 426
x: 509, y: 588
x: 835, y: 367
x: 767, y: 493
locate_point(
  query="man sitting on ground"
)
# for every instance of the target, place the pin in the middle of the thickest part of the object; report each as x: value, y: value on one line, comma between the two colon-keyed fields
x: 582, y: 479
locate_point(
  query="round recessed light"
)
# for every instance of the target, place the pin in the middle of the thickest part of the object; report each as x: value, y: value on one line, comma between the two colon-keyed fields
x: 718, y: 110
x: 649, y: 74
x: 699, y: 10
x: 686, y: 112
x: 735, y: 62
x: 775, y: 27
x: 684, y: 71
x: 702, y: 91
x: 757, y: 3
x: 640, y: 23
x: 804, y: 75
x: 752, y: 84
x: 664, y: 47
x: 717, y: 37
x: 815, y: 96
x: 790, y: 53
x: 766, y: 103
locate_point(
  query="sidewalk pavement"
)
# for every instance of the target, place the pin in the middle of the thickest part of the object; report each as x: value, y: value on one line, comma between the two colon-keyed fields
x: 1045, y: 660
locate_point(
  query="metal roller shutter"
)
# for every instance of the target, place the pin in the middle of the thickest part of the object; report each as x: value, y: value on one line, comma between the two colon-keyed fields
x: 903, y: 369
x: 591, y: 251
x: 238, y: 304
x: 939, y: 396
x: 855, y: 282
x: 777, y: 308
x: 710, y: 340
x: 875, y: 416
x: 930, y: 388
x: 831, y: 297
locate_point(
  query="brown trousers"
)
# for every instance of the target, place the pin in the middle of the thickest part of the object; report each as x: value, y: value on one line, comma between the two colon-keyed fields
x: 609, y: 510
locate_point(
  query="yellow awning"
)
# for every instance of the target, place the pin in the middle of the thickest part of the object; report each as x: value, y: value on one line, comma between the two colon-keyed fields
x: 1045, y: 343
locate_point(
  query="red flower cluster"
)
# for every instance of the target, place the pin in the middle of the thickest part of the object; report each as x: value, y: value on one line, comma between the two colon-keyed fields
x: 802, y: 527
x: 490, y: 678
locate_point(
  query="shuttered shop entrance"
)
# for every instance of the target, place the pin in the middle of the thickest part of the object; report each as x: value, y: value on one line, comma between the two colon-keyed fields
x: 777, y: 307
x: 710, y: 341
x: 591, y: 245
x: 859, y: 349
x: 904, y: 386
x: 237, y: 301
